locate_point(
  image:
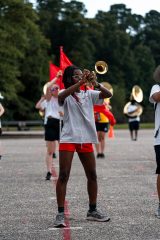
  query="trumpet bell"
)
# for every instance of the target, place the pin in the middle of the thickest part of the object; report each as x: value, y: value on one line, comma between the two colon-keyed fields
x: 138, y: 112
x: 45, y: 88
x: 41, y: 113
x: 137, y: 94
x: 108, y: 86
x: 101, y: 67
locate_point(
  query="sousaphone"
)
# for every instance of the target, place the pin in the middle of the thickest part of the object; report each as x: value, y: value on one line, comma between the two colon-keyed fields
x: 137, y: 95
x: 136, y: 113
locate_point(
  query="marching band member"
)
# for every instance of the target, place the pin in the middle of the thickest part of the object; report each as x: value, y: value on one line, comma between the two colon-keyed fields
x: 1, y: 113
x: 155, y: 99
x: 49, y: 104
x: 133, y: 122
x: 78, y: 134
x: 102, y: 125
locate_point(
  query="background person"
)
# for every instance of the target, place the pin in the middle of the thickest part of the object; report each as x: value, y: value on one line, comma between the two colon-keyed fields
x: 133, y: 122
x: 49, y: 104
x: 78, y: 134
x: 102, y: 125
x: 155, y: 99
x: 1, y: 113
x: 103, y: 120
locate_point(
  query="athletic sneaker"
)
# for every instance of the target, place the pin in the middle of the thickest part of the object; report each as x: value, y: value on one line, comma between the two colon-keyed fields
x: 158, y: 212
x: 97, y: 216
x: 59, y: 222
x: 102, y: 155
x: 48, y: 176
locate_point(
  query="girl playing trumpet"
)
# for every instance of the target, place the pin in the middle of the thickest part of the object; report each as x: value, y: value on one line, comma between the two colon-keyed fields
x: 78, y: 134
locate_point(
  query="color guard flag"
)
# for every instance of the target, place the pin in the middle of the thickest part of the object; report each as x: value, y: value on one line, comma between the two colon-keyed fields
x: 64, y: 60
x: 53, y: 70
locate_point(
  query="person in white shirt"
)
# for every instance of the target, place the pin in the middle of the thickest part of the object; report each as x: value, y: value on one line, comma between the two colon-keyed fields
x: 49, y: 105
x: 133, y: 122
x: 1, y: 113
x: 78, y: 134
x: 155, y: 99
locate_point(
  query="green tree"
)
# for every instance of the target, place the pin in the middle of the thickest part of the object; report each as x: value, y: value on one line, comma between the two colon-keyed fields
x: 23, y: 52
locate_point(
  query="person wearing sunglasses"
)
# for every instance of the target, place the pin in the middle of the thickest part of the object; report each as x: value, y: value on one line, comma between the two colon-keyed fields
x: 52, y: 114
x: 78, y: 134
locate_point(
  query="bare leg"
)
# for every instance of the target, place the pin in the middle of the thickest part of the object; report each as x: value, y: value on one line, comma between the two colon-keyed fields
x: 50, y: 146
x: 65, y: 162
x: 89, y: 164
x: 98, y: 145
x: 102, y: 144
x: 158, y: 186
x: 131, y: 134
x: 136, y: 134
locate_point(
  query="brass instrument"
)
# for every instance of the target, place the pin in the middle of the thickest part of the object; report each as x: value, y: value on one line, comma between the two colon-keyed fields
x: 108, y: 86
x: 136, y: 113
x: 101, y: 67
x: 41, y: 113
x: 1, y: 97
x: 45, y: 88
x: 137, y: 96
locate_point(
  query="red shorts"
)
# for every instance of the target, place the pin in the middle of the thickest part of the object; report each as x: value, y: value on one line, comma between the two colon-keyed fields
x: 78, y: 147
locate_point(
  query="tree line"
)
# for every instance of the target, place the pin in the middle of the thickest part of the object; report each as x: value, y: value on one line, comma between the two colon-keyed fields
x: 31, y: 37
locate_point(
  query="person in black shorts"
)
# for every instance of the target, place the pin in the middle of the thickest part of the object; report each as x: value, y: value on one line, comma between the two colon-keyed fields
x: 102, y: 124
x: 49, y: 104
x: 133, y: 122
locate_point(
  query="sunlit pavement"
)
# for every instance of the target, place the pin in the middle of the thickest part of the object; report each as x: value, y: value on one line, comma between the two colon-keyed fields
x: 127, y: 192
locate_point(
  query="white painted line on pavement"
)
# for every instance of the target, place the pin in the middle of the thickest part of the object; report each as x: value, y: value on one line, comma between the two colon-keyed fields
x: 54, y: 198
x: 65, y: 228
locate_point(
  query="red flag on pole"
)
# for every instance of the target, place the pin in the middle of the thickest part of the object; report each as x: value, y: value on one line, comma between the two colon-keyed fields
x: 53, y: 70
x: 64, y: 60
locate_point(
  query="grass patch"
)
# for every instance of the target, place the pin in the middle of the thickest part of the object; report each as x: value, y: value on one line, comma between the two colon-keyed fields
x: 142, y: 126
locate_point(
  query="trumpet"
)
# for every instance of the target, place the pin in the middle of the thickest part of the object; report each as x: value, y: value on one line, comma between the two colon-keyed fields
x: 101, y: 67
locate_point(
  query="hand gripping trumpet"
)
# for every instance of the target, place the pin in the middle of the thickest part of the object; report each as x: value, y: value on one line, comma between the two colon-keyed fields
x: 101, y: 67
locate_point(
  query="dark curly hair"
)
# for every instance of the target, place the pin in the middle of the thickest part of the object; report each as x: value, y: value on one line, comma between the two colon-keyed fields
x: 68, y: 74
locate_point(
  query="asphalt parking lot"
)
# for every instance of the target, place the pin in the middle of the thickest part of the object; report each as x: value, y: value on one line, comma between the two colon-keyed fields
x: 127, y: 191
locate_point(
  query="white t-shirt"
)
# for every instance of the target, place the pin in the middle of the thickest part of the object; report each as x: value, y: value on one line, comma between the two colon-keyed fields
x: 0, y: 117
x: 130, y: 109
x: 78, y: 119
x: 51, y: 108
x: 156, y: 88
